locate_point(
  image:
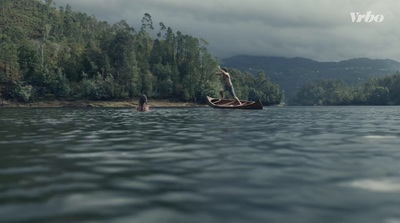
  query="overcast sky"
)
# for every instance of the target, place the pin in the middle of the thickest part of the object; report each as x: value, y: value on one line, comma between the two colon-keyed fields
x: 321, y: 30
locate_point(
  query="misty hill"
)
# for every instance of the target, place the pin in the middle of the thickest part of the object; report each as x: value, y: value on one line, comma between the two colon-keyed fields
x: 292, y: 73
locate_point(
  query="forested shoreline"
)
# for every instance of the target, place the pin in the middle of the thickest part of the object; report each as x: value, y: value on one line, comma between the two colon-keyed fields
x: 49, y: 53
x: 375, y: 91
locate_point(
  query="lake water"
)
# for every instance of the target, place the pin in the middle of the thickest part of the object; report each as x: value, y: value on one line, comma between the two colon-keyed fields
x: 280, y: 164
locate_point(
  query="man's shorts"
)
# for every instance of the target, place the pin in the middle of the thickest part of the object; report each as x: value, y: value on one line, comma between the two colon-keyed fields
x: 230, y: 90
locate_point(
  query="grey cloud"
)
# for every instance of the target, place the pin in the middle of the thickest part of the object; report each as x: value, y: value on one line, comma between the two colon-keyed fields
x: 319, y: 30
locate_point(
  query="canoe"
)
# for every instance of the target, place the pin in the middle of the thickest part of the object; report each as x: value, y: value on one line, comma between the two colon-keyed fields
x: 232, y: 104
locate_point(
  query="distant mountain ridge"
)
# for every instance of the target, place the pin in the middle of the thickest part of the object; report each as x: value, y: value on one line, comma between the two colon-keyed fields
x: 292, y: 73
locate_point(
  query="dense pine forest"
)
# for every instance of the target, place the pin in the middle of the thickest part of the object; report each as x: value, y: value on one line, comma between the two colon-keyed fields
x: 50, y: 53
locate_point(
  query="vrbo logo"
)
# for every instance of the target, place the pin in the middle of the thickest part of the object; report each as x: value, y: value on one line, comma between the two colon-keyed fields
x: 368, y: 17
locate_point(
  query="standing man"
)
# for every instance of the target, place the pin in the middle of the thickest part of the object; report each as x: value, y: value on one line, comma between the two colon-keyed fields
x: 226, y: 79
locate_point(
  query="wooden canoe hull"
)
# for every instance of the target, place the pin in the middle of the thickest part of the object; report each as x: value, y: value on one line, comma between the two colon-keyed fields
x: 232, y: 104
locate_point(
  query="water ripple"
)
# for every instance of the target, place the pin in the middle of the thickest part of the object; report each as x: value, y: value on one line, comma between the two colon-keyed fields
x: 290, y: 164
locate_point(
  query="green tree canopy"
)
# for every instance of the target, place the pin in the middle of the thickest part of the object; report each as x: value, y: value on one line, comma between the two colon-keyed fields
x: 50, y: 53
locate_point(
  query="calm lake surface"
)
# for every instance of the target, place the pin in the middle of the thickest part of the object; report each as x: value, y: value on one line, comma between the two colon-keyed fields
x: 280, y: 164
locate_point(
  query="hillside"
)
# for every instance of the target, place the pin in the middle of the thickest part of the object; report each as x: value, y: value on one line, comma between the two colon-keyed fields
x: 292, y: 73
x: 61, y: 54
